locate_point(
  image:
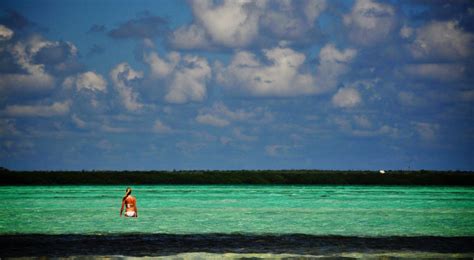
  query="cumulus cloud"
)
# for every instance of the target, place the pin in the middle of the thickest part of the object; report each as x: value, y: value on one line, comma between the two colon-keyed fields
x: 406, y: 32
x: 282, y: 74
x: 427, y: 131
x: 55, y: 109
x: 122, y: 77
x: 362, y: 121
x: 38, y: 80
x: 370, y: 22
x: 5, y: 33
x: 333, y: 63
x: 276, y: 150
x: 162, y: 67
x: 220, y: 115
x: 442, y: 40
x: 210, y: 119
x: 160, y: 127
x: 54, y: 53
x: 279, y: 77
x: 241, y: 136
x: 384, y: 130
x: 435, y: 71
x: 87, y: 81
x: 185, y: 76
x: 242, y: 23
x: 291, y: 20
x: 78, y: 121
x: 147, y: 26
x: 361, y: 126
x: 33, y: 75
x: 190, y: 37
x: 346, y: 98
x: 237, y: 26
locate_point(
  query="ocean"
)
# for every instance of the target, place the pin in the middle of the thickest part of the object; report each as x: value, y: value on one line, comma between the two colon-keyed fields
x: 245, y: 212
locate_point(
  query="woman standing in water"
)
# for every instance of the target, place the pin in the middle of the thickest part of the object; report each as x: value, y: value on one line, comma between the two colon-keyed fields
x: 130, y: 204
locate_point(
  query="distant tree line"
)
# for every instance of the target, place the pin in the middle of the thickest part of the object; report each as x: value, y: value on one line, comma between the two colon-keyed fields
x: 263, y: 177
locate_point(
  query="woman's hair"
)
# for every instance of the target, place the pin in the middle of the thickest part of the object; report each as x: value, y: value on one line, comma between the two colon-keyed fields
x: 128, y: 191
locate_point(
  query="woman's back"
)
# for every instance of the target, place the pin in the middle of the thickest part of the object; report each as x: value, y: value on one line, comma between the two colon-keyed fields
x: 130, y: 202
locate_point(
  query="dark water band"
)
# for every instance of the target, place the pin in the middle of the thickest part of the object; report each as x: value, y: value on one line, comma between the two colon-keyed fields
x: 171, y: 244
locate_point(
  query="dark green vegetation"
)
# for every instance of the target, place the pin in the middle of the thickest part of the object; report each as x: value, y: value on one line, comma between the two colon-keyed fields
x: 237, y: 177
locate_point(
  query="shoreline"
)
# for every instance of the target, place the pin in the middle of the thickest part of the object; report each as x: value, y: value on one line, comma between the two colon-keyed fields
x: 161, y: 245
x: 236, y: 177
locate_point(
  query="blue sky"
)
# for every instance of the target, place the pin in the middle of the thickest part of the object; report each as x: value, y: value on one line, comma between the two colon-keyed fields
x: 132, y: 85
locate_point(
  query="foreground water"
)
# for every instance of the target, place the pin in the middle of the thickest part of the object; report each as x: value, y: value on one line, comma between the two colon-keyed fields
x: 189, y: 209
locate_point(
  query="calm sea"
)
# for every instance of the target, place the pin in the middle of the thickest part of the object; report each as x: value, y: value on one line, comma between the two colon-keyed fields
x: 189, y: 209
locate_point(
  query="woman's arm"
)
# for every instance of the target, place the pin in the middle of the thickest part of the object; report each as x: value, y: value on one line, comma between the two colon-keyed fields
x: 121, y: 209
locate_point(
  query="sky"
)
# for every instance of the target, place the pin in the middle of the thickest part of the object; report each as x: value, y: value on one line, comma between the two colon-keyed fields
x: 221, y: 85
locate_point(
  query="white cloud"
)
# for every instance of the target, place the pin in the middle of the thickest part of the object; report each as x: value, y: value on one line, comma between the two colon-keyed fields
x: 189, y: 82
x: 214, y: 120
x: 55, y: 109
x: 87, y: 81
x: 161, y: 68
x: 147, y: 42
x: 122, y: 76
x: 5, y: 33
x: 370, y: 22
x: 312, y: 9
x: 384, y: 130
x: 360, y: 126
x: 362, y: 121
x: 190, y: 37
x: 241, y: 23
x: 333, y: 63
x: 239, y: 135
x: 220, y: 115
x: 442, y: 39
x: 406, y: 32
x: 281, y: 74
x: 291, y: 20
x: 276, y: 150
x: 346, y: 98
x: 185, y: 77
x: 35, y: 81
x: 78, y: 121
x: 435, y: 71
x: 91, y: 80
x: 34, y: 77
x: 160, y: 127
x: 427, y: 131
x: 231, y: 23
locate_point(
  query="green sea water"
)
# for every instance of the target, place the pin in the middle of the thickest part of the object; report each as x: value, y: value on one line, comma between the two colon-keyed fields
x: 192, y: 209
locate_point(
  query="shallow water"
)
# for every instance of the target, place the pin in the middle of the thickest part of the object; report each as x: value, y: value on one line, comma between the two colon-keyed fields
x: 191, y: 209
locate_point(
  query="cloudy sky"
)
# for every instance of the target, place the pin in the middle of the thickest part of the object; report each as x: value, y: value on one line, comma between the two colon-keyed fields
x: 236, y: 84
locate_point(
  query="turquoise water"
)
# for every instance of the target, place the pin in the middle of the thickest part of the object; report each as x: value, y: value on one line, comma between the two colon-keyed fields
x: 190, y: 209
